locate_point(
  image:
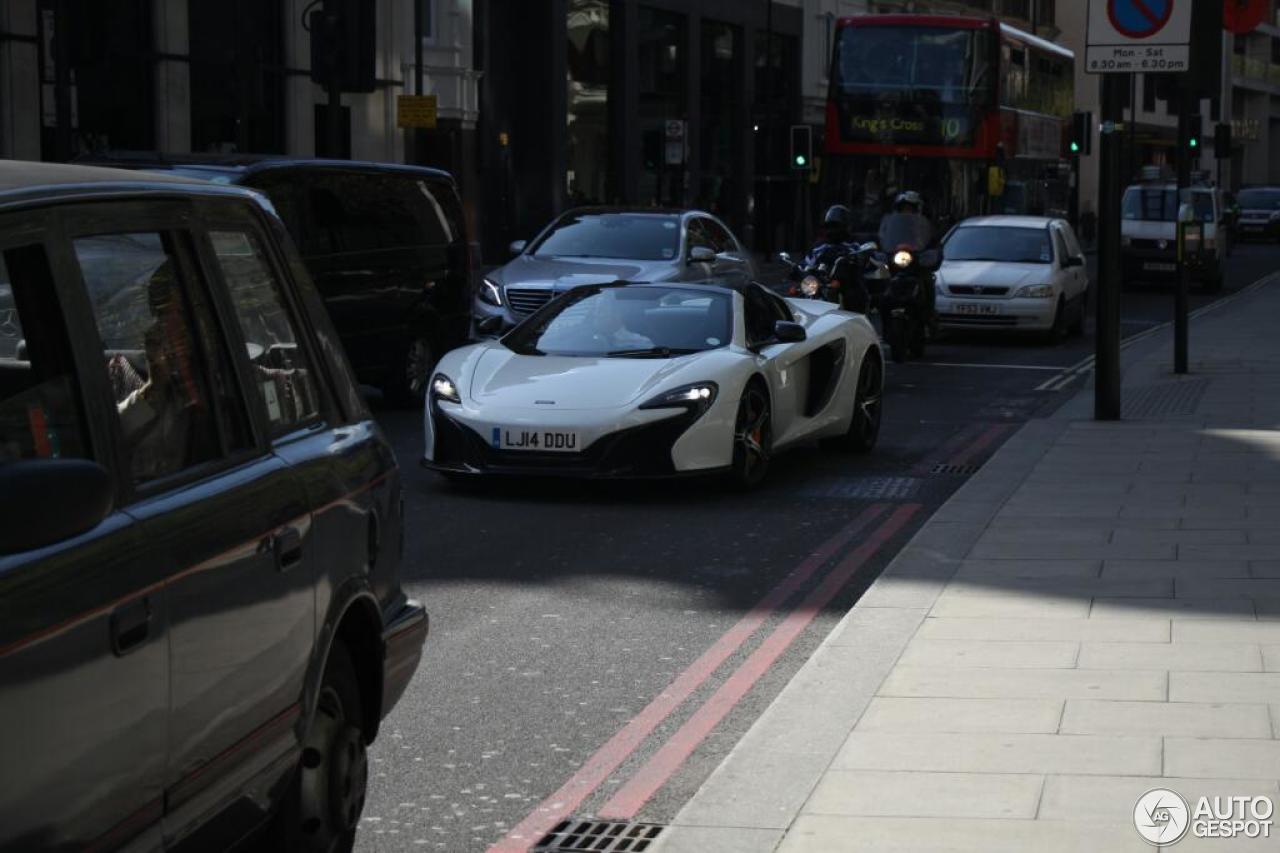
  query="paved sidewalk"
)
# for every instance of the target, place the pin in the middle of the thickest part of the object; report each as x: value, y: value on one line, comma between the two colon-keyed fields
x: 1095, y: 614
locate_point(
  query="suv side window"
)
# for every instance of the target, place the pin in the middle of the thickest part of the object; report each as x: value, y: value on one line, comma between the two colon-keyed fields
x: 721, y: 240
x: 361, y: 212
x: 285, y: 384
x: 169, y: 370
x: 40, y: 414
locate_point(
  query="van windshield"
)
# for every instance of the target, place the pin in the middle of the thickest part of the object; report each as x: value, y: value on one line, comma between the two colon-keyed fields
x: 1158, y: 204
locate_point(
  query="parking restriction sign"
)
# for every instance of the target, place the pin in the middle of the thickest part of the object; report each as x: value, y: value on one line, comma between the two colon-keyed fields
x: 1138, y: 35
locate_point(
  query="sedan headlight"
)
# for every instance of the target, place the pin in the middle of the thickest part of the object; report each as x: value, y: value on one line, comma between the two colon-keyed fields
x: 903, y: 259
x: 490, y: 292
x: 1035, y: 291
x: 810, y: 286
x: 696, y: 397
x: 442, y: 388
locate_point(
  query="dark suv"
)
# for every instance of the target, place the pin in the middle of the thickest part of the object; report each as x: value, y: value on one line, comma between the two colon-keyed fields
x: 386, y: 245
x: 201, y: 617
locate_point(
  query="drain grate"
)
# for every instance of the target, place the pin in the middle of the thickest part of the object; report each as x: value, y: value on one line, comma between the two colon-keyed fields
x: 1170, y: 398
x: 598, y: 836
x: 864, y: 489
x: 959, y: 470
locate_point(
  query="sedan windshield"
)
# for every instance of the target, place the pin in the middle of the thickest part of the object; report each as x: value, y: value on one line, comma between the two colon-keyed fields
x: 994, y: 243
x: 634, y: 236
x: 614, y: 321
x: 1259, y: 199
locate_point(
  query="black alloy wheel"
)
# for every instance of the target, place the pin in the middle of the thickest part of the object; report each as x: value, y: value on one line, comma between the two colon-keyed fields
x: 407, y: 385
x: 752, y: 437
x: 868, y: 407
x: 333, y: 774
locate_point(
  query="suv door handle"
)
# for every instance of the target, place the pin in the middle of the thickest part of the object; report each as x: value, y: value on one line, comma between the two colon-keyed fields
x: 286, y: 545
x: 130, y: 625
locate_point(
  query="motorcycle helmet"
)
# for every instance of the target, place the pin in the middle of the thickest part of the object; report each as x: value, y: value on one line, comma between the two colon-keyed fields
x: 839, y: 216
x: 909, y: 197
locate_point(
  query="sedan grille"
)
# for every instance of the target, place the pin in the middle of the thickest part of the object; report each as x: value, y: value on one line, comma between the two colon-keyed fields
x: 978, y: 290
x: 526, y: 300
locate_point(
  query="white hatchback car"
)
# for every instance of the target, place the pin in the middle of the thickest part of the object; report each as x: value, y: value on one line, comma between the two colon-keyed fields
x: 1024, y: 273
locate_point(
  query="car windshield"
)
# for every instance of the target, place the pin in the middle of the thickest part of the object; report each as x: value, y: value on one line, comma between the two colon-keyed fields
x: 1157, y: 204
x: 998, y: 243
x: 635, y: 236
x: 1259, y: 199
x: 617, y: 321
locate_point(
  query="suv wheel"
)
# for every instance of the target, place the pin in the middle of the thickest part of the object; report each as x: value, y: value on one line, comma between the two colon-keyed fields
x: 324, y: 807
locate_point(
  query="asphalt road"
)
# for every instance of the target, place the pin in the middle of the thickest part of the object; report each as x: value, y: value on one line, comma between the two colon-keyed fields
x: 597, y: 650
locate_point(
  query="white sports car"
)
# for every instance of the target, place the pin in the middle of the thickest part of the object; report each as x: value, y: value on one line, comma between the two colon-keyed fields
x: 642, y: 380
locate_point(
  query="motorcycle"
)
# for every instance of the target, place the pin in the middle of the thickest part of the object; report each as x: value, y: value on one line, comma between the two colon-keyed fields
x: 907, y: 316
x: 836, y: 273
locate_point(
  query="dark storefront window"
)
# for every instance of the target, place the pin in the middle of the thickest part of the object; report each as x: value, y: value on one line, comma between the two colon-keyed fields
x: 721, y: 52
x: 237, y: 75
x: 777, y: 86
x: 109, y: 82
x: 662, y: 100
x: 589, y: 179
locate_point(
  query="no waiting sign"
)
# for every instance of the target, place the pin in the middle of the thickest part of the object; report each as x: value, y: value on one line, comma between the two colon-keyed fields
x: 1138, y: 35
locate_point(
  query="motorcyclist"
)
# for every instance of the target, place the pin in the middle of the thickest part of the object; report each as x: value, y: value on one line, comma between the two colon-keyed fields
x: 909, y: 203
x: 834, y: 243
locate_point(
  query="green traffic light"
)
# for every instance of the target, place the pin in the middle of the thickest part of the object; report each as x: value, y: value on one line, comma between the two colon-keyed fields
x: 800, y: 160
x: 1195, y: 143
x: 1075, y: 147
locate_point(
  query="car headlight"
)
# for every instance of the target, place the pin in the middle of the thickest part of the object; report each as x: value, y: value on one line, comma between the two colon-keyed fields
x: 1035, y: 291
x: 903, y: 259
x: 809, y: 286
x: 442, y: 388
x: 490, y: 292
x: 696, y: 397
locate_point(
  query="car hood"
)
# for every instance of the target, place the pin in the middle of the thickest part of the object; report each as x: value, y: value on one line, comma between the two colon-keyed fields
x: 508, y: 380
x: 992, y: 273
x: 565, y: 273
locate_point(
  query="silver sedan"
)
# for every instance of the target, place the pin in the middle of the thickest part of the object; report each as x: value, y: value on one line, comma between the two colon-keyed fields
x: 597, y: 245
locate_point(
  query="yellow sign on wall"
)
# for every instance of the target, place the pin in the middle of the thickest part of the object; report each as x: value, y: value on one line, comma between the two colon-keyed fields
x: 416, y: 111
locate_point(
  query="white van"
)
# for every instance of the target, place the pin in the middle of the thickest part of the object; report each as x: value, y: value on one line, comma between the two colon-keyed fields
x: 1149, y: 236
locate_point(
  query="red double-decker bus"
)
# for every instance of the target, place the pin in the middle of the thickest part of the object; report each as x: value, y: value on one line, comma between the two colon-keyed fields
x: 931, y: 102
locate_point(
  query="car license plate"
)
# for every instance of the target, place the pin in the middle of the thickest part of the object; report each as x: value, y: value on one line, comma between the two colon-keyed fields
x: 1152, y: 266
x: 977, y: 308
x: 544, y: 440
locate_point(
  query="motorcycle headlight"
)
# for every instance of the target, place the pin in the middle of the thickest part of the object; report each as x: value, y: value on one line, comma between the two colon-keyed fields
x: 810, y: 286
x: 1035, y: 291
x: 442, y: 388
x: 696, y: 397
x: 903, y: 259
x: 490, y: 292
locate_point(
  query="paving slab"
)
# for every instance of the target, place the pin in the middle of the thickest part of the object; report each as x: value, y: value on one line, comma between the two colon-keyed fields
x: 839, y: 834
x: 899, y: 714
x: 896, y: 793
x: 993, y: 683
x: 1188, y: 719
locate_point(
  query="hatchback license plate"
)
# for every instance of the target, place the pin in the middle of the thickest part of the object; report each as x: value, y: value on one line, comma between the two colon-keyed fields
x: 977, y: 308
x: 544, y: 440
x: 1159, y: 267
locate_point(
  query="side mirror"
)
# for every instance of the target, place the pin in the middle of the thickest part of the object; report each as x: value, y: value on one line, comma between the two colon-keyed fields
x: 702, y: 255
x: 929, y: 260
x: 787, y: 332
x: 49, y: 500
x: 517, y: 246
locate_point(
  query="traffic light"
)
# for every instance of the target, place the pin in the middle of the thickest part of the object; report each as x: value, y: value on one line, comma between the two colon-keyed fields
x: 1222, y: 141
x: 344, y: 45
x: 1081, y: 136
x: 1195, y: 128
x: 801, y: 147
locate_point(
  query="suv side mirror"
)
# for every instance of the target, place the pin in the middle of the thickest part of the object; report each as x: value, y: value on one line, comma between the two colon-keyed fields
x: 517, y: 246
x: 702, y: 255
x: 49, y: 500
x: 787, y: 332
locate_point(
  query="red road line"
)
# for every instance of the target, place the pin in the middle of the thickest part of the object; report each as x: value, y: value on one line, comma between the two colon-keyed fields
x: 666, y: 761
x: 606, y: 759
x: 951, y: 445
x: 989, y: 437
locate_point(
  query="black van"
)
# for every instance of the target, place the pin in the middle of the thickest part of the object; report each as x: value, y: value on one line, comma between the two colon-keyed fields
x: 386, y: 244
